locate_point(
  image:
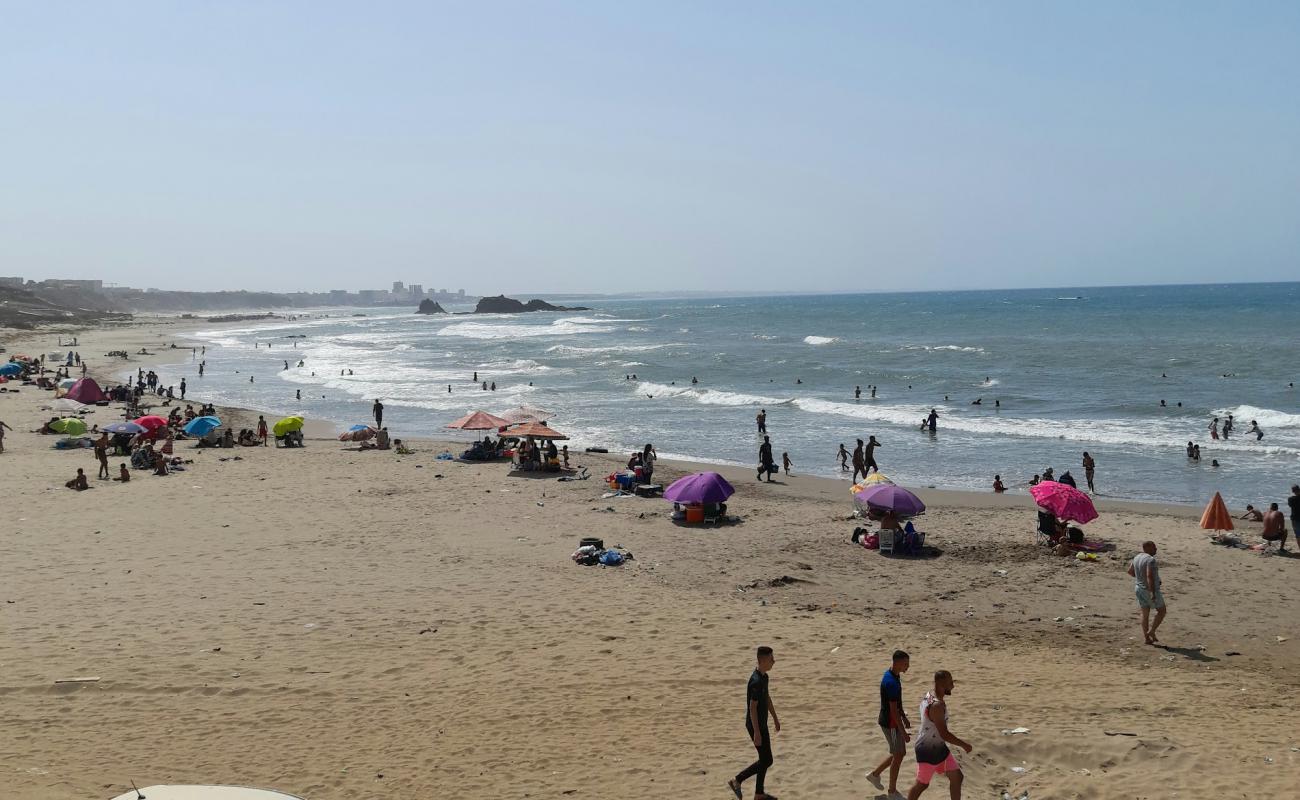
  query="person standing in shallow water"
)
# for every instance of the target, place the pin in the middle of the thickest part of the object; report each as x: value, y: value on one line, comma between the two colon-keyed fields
x: 758, y: 706
x: 378, y: 410
x: 761, y: 419
x: 1089, y: 468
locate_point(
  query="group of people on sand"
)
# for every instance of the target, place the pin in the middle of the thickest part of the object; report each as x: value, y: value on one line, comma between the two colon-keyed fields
x: 932, y: 743
x: 1274, y: 520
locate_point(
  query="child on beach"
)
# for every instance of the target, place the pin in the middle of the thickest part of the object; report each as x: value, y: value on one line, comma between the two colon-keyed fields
x: 786, y: 462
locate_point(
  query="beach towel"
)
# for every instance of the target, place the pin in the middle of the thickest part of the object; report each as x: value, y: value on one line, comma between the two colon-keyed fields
x: 611, y: 558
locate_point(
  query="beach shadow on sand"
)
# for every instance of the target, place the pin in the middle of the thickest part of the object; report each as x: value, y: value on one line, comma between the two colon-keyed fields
x: 1187, y: 652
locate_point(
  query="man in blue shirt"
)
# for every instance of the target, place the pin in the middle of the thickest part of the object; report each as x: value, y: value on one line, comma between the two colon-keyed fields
x: 893, y: 721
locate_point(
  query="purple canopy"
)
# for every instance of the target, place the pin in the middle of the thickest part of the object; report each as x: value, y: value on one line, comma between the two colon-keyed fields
x: 887, y: 497
x: 702, y: 487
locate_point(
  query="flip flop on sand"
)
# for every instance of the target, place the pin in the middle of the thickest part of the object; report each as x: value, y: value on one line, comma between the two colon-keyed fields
x: 735, y: 788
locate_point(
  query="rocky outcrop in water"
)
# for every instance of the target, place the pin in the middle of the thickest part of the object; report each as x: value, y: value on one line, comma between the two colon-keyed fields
x: 429, y: 307
x: 508, y: 305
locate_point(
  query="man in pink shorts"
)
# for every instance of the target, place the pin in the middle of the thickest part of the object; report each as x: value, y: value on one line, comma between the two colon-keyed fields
x: 931, y: 745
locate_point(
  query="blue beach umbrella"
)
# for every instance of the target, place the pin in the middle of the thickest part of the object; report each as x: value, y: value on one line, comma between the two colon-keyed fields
x: 202, y: 426
x: 11, y: 368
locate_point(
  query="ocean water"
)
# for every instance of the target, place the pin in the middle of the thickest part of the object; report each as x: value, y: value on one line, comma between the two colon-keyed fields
x: 1073, y: 370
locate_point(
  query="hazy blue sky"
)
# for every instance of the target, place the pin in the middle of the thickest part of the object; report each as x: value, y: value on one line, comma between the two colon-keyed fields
x: 634, y: 145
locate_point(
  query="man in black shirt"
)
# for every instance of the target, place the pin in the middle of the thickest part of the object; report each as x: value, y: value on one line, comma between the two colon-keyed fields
x: 758, y: 704
x: 1294, y: 502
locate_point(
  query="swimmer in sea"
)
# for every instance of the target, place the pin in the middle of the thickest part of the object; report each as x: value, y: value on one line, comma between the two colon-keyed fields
x: 979, y: 401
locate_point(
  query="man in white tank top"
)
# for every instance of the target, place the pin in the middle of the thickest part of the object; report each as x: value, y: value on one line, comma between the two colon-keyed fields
x: 931, y: 743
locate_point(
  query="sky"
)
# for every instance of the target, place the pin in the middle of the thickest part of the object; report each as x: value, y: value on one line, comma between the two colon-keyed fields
x: 649, y: 146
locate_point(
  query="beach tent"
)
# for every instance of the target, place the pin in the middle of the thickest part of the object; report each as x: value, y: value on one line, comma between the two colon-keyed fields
x: 478, y: 421
x: 1216, y: 516
x: 86, y: 391
x: 287, y: 425
x: 534, y: 429
x: 11, y: 368
x: 205, y: 793
x: 867, y: 482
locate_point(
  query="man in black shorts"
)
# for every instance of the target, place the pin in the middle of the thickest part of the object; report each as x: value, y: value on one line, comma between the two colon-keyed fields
x: 758, y: 704
x: 1294, y: 502
x: 893, y: 721
x: 869, y: 456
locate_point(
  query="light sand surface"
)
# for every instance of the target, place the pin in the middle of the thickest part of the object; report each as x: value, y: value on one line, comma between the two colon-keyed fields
x: 342, y: 624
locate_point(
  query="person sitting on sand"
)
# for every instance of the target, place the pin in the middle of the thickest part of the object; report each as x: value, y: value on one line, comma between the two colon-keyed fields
x: 1068, y: 480
x: 1253, y: 514
x: 228, y: 440
x: 997, y: 484
x: 124, y: 473
x: 79, y: 483
x: 159, y: 464
x: 1037, y: 479
x: 402, y: 450
x: 382, y: 441
x: 1274, y: 526
x: 1048, y: 475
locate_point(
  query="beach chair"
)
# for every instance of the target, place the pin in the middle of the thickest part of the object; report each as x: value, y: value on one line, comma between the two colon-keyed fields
x: 887, y: 538
x: 1046, y: 528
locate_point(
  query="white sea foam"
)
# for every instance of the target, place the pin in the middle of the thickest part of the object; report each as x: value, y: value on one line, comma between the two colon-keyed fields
x: 1266, y: 417
x: 819, y: 339
x: 571, y: 350
x: 709, y: 397
x: 956, y: 348
x: 488, y: 330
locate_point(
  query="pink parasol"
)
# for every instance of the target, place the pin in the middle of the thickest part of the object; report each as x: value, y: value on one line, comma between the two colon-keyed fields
x: 1066, y: 502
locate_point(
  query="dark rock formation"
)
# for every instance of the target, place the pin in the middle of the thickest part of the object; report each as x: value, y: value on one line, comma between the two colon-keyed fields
x: 429, y: 307
x: 508, y: 305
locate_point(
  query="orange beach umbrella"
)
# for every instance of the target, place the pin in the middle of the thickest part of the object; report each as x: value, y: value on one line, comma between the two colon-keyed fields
x: 1216, y: 516
x: 534, y: 429
x: 478, y: 421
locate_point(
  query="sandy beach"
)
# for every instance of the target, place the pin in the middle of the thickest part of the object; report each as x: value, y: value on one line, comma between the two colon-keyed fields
x: 344, y: 624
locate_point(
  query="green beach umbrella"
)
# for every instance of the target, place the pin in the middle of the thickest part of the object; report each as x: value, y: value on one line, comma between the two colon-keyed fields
x: 286, y: 425
x: 69, y: 425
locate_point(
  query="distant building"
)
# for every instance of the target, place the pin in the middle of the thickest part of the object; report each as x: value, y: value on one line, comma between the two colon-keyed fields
x: 16, y: 283
x: 371, y: 295
x: 90, y: 286
x: 398, y: 287
x: 338, y: 297
x: 460, y: 293
x: 416, y: 290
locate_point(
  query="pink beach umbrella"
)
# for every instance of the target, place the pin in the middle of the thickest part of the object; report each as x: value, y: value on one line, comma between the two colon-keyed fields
x: 1066, y: 502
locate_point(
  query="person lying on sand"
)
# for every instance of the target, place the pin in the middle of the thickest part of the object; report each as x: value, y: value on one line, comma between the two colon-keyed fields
x: 79, y: 483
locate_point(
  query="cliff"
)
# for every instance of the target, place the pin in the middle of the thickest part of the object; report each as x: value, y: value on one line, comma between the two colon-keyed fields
x: 508, y: 305
x: 429, y: 307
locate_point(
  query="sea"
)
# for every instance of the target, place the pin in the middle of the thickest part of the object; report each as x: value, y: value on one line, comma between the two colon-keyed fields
x: 1021, y: 380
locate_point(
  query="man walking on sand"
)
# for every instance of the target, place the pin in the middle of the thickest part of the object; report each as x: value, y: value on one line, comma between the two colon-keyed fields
x: 261, y: 429
x: 1146, y: 584
x: 893, y: 722
x: 932, y: 754
x: 758, y: 704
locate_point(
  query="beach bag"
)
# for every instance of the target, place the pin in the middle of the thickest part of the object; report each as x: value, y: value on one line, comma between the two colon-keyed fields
x: 611, y: 558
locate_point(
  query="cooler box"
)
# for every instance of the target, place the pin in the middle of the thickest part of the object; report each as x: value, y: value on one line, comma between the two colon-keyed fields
x: 695, y: 513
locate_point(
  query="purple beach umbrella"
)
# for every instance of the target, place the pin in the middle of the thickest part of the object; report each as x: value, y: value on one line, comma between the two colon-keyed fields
x: 702, y: 487
x: 887, y: 497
